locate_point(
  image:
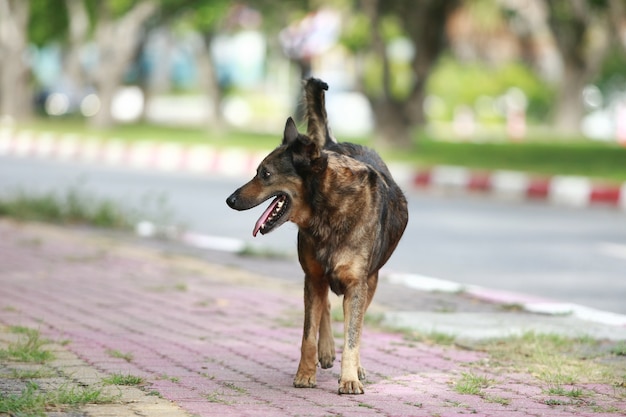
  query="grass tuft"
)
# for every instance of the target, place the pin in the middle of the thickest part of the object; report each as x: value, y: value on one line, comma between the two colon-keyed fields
x: 28, y: 348
x: 472, y: 384
x: 121, y: 379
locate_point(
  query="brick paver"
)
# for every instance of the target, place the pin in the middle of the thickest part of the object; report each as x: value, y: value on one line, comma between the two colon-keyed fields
x: 219, y: 341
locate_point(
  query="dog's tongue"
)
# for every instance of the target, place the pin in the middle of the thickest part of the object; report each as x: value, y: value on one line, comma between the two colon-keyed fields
x: 264, y: 216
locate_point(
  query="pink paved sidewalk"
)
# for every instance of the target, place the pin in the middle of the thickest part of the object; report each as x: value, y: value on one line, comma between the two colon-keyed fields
x: 222, y: 342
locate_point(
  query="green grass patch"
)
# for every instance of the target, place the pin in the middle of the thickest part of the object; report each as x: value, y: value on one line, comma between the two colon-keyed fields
x: 593, y: 159
x: 28, y: 348
x: 555, y: 360
x: 121, y: 379
x: 75, y: 206
x: 32, y: 401
x: 472, y: 384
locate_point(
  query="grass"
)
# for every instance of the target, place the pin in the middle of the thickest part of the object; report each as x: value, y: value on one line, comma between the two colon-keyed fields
x: 32, y: 401
x: 540, y: 154
x: 121, y: 379
x: 553, y: 359
x: 472, y: 384
x: 128, y: 357
x: 75, y: 206
x: 28, y: 348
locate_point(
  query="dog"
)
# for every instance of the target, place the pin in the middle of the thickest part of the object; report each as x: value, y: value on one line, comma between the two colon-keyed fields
x: 350, y: 216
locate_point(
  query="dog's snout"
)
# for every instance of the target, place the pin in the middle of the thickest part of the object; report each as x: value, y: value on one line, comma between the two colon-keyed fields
x: 232, y: 200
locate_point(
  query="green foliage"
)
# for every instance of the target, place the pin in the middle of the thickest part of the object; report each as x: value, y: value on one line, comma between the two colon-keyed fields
x: 463, y: 83
x: 48, y: 21
x: 356, y: 35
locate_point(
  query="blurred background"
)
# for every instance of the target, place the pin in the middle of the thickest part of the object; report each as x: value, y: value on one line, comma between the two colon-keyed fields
x: 534, y: 86
x: 454, y: 69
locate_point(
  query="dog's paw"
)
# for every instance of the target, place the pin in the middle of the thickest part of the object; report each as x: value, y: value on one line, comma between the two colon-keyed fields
x: 304, y: 381
x: 350, y: 387
x: 326, y: 360
x: 362, y: 374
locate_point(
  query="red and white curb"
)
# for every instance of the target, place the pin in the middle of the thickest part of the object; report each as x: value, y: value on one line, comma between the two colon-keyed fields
x: 564, y: 190
x: 161, y: 156
x: 205, y: 159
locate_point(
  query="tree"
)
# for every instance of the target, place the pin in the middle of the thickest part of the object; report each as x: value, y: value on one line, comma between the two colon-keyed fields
x: 424, y: 24
x: 581, y: 31
x: 15, y: 94
x: 117, y: 34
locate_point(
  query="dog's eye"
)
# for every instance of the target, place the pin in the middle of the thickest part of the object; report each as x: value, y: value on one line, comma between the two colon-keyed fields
x: 265, y: 174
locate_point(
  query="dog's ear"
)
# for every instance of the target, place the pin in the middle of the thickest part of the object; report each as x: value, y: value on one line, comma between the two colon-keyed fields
x: 291, y: 132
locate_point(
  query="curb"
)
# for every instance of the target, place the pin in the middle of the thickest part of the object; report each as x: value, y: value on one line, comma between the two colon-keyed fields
x: 525, y: 302
x: 572, y: 191
x: 575, y: 191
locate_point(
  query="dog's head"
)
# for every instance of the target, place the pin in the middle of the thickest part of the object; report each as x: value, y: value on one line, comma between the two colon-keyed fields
x: 282, y: 175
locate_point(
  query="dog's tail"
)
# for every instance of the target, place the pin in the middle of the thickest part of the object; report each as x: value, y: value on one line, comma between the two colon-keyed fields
x: 317, y: 127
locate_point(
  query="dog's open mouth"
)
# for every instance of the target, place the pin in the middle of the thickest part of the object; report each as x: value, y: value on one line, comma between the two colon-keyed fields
x: 272, y: 215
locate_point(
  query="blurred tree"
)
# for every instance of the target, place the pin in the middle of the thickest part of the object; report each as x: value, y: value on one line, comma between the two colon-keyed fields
x: 424, y: 24
x: 581, y: 31
x: 15, y: 94
x: 584, y: 32
x: 118, y: 25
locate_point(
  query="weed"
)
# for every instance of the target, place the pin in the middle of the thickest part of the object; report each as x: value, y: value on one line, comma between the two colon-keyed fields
x: 28, y: 348
x: 496, y: 399
x: 169, y: 378
x: 559, y: 390
x: 472, y: 384
x: 33, y: 401
x: 128, y: 357
x: 234, y: 387
x: 433, y: 337
x: 364, y: 405
x: 215, y: 397
x: 31, y: 373
x: 619, y: 349
x: 121, y: 379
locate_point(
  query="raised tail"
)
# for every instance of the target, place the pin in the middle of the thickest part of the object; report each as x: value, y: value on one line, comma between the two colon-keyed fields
x: 317, y: 127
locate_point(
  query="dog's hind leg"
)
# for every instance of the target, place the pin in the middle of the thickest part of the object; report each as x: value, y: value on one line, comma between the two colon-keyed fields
x: 315, y: 302
x: 372, y: 283
x: 326, y: 342
x: 354, y: 305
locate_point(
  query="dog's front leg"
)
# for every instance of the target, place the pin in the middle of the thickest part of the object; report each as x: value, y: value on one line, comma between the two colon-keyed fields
x: 315, y: 302
x: 354, y: 305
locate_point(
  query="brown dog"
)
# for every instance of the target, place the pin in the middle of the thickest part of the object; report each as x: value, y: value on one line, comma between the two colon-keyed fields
x: 350, y: 215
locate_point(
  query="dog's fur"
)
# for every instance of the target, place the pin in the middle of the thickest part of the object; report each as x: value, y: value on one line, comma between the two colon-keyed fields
x: 350, y: 215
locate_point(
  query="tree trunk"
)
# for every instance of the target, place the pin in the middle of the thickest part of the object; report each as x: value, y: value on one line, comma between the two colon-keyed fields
x: 582, y: 53
x: 78, y: 30
x: 15, y: 92
x: 117, y: 41
x: 425, y: 23
x: 210, y: 85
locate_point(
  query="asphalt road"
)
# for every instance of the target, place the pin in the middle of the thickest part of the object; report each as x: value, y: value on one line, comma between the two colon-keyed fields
x: 567, y: 254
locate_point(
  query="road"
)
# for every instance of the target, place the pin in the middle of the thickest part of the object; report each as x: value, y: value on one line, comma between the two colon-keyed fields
x: 567, y: 254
